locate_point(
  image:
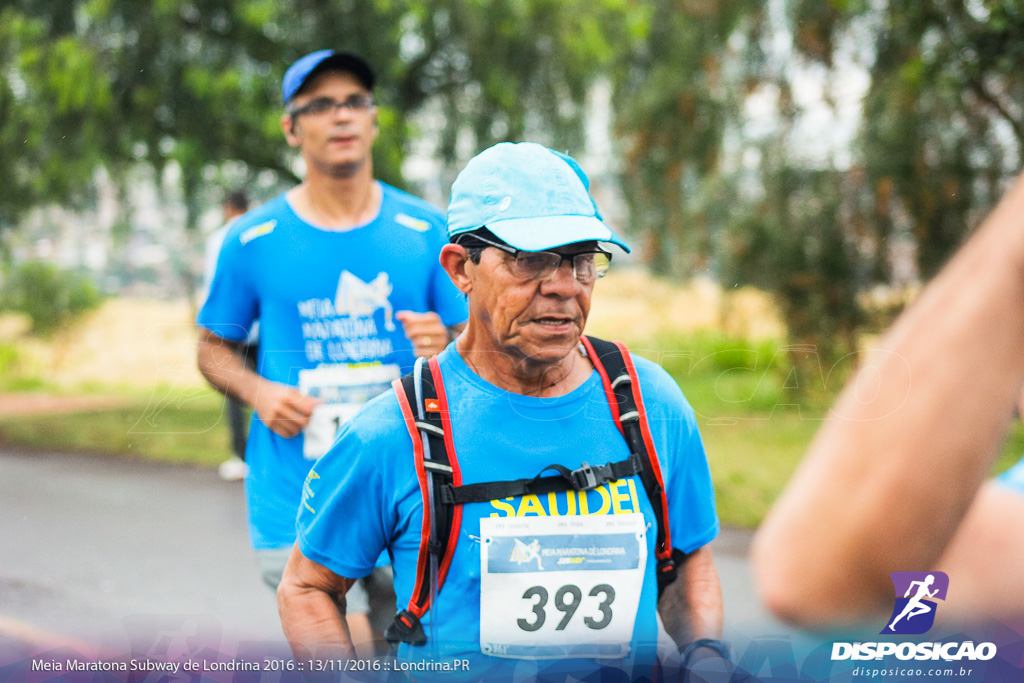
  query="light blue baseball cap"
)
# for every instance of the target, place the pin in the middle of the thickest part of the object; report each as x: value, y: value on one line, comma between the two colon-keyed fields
x: 529, y: 196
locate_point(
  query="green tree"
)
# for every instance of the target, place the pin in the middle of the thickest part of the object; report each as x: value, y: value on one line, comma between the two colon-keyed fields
x: 50, y: 297
x: 677, y: 93
x: 51, y: 111
x: 941, y: 134
x: 943, y: 128
x: 796, y: 242
x: 194, y: 84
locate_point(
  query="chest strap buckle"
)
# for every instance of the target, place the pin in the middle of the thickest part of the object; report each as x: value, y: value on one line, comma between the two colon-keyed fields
x: 406, y: 628
x: 586, y: 478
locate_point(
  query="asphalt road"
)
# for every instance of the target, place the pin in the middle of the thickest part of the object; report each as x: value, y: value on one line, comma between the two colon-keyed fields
x: 97, y: 548
x: 108, y: 550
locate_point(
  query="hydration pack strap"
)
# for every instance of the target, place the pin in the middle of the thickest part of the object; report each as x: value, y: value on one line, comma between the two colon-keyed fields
x: 424, y: 405
x: 622, y: 387
x: 585, y: 478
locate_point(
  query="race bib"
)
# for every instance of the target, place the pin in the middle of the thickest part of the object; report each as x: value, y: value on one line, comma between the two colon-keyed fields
x: 558, y: 587
x: 343, y: 390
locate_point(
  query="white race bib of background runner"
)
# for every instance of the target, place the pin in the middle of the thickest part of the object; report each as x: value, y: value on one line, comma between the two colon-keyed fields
x: 559, y: 587
x: 343, y: 389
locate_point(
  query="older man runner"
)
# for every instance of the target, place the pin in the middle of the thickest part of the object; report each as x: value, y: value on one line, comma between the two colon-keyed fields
x: 541, y: 562
x: 342, y: 273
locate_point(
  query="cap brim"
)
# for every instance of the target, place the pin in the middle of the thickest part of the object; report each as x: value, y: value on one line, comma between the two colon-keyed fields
x: 538, y: 234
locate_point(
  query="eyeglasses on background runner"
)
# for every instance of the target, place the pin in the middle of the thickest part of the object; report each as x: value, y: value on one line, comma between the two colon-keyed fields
x: 326, y: 105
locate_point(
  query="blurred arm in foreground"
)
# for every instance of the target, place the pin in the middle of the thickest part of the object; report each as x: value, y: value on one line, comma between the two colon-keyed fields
x: 986, y: 556
x: 889, y: 479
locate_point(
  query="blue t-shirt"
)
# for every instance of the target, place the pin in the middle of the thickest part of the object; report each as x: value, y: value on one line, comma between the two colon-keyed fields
x: 1013, y: 477
x: 363, y: 497
x: 323, y: 298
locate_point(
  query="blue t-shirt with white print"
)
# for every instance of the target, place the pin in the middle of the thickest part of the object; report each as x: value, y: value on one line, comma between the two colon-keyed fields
x: 364, y: 497
x: 324, y: 298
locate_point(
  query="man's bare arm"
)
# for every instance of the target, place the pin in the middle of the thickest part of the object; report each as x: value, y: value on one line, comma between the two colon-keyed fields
x: 311, y: 601
x: 222, y: 367
x: 889, y: 478
x: 691, y: 606
x: 986, y: 556
x: 281, y: 407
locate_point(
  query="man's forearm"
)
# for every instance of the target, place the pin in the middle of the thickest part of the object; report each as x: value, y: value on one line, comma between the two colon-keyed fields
x: 225, y: 370
x: 314, y: 623
x: 691, y: 606
x: 892, y: 473
x: 311, y: 602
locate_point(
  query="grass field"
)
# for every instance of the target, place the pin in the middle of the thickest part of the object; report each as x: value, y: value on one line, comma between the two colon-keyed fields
x: 191, y: 431
x: 752, y: 454
x: 756, y: 412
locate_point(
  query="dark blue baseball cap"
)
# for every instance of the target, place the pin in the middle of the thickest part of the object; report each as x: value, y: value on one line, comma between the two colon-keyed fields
x: 325, y: 60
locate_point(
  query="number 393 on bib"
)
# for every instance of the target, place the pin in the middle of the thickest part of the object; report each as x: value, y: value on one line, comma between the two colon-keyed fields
x: 560, y: 587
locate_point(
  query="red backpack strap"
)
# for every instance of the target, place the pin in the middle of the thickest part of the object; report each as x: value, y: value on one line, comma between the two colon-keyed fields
x: 453, y: 523
x: 424, y: 406
x: 622, y: 387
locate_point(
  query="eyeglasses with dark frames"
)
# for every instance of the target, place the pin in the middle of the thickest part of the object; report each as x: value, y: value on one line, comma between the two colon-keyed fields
x: 587, y: 266
x: 322, y: 106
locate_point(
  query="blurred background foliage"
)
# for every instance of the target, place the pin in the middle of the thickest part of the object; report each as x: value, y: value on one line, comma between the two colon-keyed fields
x: 831, y: 153
x: 50, y: 298
x: 727, y: 167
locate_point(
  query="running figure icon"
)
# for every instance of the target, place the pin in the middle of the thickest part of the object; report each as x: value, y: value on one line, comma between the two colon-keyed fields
x: 526, y: 552
x: 916, y: 605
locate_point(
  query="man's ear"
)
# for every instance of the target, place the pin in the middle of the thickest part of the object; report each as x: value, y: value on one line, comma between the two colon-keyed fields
x: 454, y: 259
x: 289, y: 130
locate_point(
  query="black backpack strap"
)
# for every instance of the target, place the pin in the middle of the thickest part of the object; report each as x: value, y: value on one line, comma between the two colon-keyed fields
x: 622, y: 387
x: 583, y: 479
x: 424, y: 406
